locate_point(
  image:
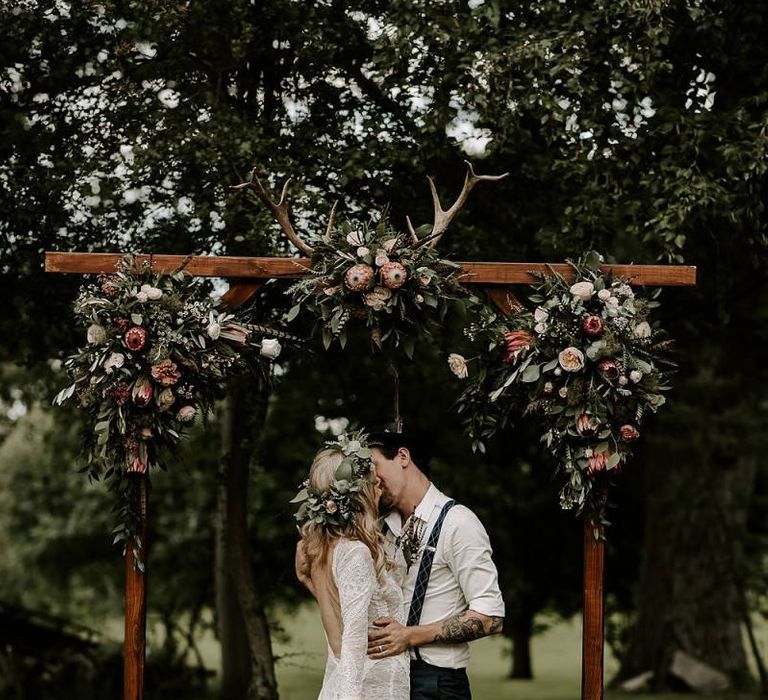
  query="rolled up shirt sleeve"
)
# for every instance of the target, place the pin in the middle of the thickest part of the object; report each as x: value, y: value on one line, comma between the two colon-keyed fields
x: 468, y: 555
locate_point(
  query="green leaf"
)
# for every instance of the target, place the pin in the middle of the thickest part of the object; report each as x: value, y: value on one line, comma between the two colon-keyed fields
x: 300, y: 496
x: 293, y: 313
x: 531, y: 374
x: 137, y: 319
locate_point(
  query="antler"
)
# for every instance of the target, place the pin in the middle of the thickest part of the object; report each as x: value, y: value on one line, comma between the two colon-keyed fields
x: 444, y: 218
x: 279, y: 210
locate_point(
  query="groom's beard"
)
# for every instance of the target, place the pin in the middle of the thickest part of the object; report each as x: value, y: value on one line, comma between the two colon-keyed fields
x: 385, y: 504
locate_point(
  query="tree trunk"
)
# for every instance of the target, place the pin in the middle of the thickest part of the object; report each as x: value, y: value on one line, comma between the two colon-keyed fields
x: 521, y: 631
x: 689, y: 587
x: 243, y: 417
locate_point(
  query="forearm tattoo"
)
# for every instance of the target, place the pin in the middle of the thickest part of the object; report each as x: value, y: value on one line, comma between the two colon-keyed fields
x: 464, y: 628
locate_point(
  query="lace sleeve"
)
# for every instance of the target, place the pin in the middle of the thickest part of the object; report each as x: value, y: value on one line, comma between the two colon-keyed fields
x: 356, y: 581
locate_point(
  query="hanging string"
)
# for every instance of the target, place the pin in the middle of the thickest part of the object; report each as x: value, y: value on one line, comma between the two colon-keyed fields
x: 397, y: 417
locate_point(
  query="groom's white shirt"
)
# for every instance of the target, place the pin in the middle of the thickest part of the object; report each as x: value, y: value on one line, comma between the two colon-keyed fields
x: 464, y: 576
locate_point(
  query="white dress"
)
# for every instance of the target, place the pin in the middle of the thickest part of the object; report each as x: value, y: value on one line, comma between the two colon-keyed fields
x: 353, y: 676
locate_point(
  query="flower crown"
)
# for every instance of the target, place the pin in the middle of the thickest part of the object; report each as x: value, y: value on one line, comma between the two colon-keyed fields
x: 336, y: 505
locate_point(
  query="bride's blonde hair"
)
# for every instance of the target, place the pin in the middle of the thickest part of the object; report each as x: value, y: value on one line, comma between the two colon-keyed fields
x: 320, y: 538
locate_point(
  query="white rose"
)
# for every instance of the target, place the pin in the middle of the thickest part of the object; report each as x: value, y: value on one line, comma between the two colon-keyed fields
x: 540, y: 328
x: 362, y: 251
x: 643, y: 330
x: 419, y: 299
x: 548, y: 388
x: 540, y: 315
x: 583, y: 290
x: 114, y: 361
x: 623, y: 381
x: 558, y: 371
x: 142, y: 297
x: 635, y: 375
x: 604, y: 295
x: 186, y: 413
x: 563, y: 392
x: 458, y: 365
x: 381, y: 258
x: 214, y: 331
x: 96, y: 335
x: 270, y: 348
x: 612, y: 301
x: 571, y: 359
x: 153, y: 293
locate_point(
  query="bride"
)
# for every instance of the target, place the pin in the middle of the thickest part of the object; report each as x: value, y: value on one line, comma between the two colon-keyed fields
x: 341, y: 560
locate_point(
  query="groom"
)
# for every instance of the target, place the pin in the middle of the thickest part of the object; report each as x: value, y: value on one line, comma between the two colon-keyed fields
x: 451, y: 591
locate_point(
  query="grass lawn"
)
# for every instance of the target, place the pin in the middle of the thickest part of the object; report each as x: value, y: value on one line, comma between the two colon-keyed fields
x: 556, y: 658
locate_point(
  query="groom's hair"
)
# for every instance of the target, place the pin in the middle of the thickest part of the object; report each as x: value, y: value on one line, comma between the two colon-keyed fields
x: 390, y: 442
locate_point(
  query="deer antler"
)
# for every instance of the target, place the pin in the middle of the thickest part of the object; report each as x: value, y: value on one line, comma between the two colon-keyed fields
x: 444, y: 218
x: 279, y: 210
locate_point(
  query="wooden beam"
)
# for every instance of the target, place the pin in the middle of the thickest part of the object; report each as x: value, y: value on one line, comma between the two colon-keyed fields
x: 292, y: 268
x: 593, y: 630
x: 135, y: 646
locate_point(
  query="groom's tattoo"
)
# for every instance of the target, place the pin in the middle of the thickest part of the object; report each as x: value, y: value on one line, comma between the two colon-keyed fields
x: 464, y: 628
x: 497, y: 624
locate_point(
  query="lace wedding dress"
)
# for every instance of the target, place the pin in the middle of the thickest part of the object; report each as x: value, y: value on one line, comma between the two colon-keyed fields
x: 353, y: 676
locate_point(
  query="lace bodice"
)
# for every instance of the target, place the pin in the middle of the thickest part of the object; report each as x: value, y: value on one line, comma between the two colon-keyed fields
x: 353, y: 676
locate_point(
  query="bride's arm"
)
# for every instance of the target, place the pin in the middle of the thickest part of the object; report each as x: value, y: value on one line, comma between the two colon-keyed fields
x: 356, y: 581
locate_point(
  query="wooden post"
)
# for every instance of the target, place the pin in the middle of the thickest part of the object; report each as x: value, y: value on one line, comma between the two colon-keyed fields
x: 593, y: 630
x: 134, y: 652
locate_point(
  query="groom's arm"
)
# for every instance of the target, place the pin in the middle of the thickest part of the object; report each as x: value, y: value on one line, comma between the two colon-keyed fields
x: 394, y: 638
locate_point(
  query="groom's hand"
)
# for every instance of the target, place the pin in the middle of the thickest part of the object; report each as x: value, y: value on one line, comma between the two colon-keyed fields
x: 389, y: 639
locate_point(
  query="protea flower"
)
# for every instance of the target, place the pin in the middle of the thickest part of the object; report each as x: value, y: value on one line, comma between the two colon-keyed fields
x: 136, y: 338
x: 358, y: 277
x: 598, y: 462
x: 515, y: 342
x: 592, y: 326
x: 586, y: 424
x: 608, y: 368
x: 393, y: 275
x: 143, y: 391
x: 136, y: 457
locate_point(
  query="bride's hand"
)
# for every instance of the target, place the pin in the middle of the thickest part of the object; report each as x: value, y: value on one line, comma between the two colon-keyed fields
x: 389, y: 639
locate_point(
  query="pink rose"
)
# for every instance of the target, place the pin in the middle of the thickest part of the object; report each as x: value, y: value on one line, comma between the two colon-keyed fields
x: 186, y: 413
x: 571, y: 359
x: 629, y: 433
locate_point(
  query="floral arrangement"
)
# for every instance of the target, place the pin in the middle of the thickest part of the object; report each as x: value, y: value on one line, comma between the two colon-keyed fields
x: 587, y: 363
x: 393, y: 284
x: 335, y: 506
x: 157, y: 351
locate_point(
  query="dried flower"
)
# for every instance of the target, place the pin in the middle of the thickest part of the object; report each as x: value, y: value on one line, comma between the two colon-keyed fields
x: 214, y: 331
x: 165, y: 399
x: 331, y: 506
x: 635, y: 375
x: 108, y: 285
x: 563, y: 392
x: 166, y: 372
x: 548, y: 388
x: 121, y: 393
x: 458, y: 365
